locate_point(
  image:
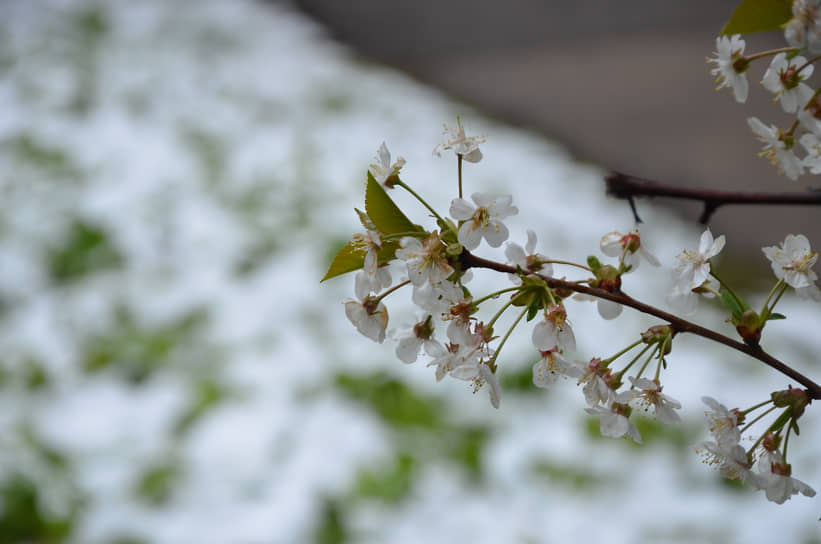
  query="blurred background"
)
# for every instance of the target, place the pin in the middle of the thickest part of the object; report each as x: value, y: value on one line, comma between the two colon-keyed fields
x: 175, y: 179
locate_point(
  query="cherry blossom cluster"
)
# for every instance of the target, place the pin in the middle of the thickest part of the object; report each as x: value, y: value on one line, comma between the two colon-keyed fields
x: 456, y: 333
x: 771, y: 474
x: 796, y: 148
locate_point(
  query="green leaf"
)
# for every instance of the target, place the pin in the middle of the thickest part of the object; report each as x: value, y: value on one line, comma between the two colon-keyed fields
x: 776, y: 316
x: 731, y: 303
x: 758, y: 16
x: 352, y: 257
x: 386, y: 215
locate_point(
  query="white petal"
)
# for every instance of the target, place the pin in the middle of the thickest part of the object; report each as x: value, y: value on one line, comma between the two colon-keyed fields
x: 530, y: 247
x: 496, y: 233
x: 609, y: 309
x: 516, y: 255
x: 492, y: 380
x: 469, y: 235
x: 544, y: 336
x: 461, y: 209
x: 474, y: 156
x: 611, y: 244
x: 384, y: 156
x: 408, y: 348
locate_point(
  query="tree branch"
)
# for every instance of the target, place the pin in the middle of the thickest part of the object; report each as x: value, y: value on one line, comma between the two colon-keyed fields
x: 678, y: 324
x: 628, y: 187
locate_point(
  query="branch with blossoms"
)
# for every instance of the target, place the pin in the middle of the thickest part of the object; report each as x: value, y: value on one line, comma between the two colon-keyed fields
x: 438, y: 263
x: 460, y: 334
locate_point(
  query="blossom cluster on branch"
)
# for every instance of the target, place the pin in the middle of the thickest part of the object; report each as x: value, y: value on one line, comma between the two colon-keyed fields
x: 436, y: 264
x: 795, y: 148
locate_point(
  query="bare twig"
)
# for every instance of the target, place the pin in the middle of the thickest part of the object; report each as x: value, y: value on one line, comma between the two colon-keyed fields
x: 678, y: 324
x: 628, y: 187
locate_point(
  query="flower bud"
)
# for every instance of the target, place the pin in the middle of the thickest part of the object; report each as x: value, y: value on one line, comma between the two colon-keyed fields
x: 454, y: 250
x: 771, y: 442
x: 749, y: 327
x: 593, y: 263
x: 608, y: 278
x: 797, y: 399
x: 658, y: 334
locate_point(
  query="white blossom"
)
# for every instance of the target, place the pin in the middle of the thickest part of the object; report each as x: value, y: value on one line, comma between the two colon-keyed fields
x: 793, y: 261
x: 426, y: 261
x: 382, y: 169
x: 804, y: 29
x: 693, y: 267
x: 415, y: 339
x: 774, y: 478
x: 808, y: 120
x: 526, y: 258
x: 552, y: 365
x: 728, y: 51
x: 462, y: 356
x: 731, y: 460
x: 651, y: 395
x: 613, y: 424
x: 722, y: 423
x: 369, y: 318
x: 811, y: 142
x: 455, y: 139
x: 776, y: 149
x: 687, y: 303
x: 372, y: 278
x: 484, y: 220
x: 628, y: 248
x: 364, y: 284
x: 783, y: 79
x: 596, y: 391
x: 554, y: 331
x: 438, y: 298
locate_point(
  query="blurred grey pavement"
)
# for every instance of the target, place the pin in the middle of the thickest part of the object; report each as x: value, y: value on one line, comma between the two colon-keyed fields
x: 623, y: 84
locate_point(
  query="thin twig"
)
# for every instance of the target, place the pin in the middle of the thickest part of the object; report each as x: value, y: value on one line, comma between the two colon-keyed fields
x: 468, y: 260
x: 628, y: 187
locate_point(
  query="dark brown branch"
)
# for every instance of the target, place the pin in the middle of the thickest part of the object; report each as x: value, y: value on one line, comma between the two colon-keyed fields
x: 679, y: 325
x: 628, y: 187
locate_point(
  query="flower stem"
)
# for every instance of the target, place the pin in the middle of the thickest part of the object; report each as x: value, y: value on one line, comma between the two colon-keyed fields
x: 764, y: 309
x: 492, y: 362
x: 500, y: 312
x: 771, y: 52
x: 647, y: 362
x: 755, y: 407
x: 754, y: 421
x: 391, y: 290
x: 420, y: 199
x: 622, y: 352
x: 808, y: 63
x: 776, y: 425
x: 459, y: 169
x: 621, y: 373
x: 496, y: 294
x: 786, y: 440
x: 569, y: 263
x: 729, y: 289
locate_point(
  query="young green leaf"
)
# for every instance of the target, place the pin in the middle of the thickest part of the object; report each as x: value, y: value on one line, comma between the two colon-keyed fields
x: 352, y: 257
x: 775, y: 315
x: 386, y: 215
x: 758, y: 16
x: 731, y: 303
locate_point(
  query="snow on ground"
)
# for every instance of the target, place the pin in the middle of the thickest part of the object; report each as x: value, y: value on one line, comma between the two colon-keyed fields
x: 175, y: 178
